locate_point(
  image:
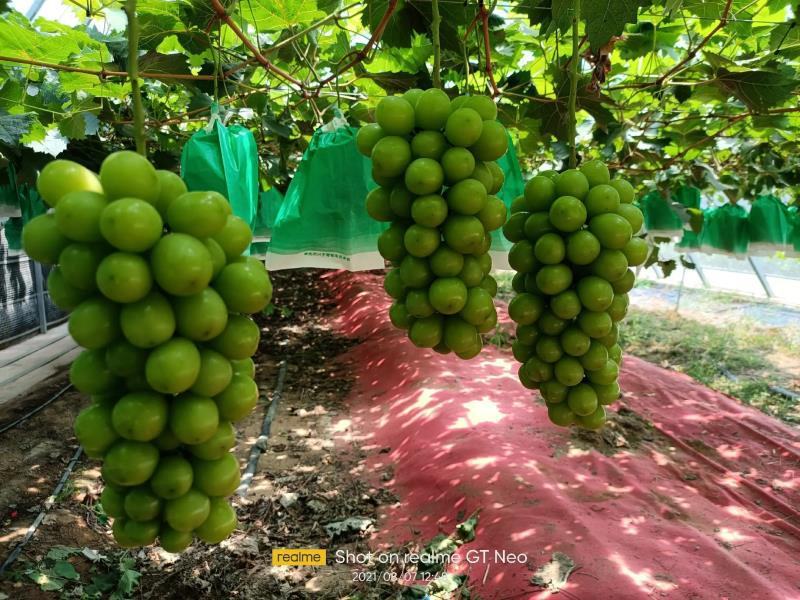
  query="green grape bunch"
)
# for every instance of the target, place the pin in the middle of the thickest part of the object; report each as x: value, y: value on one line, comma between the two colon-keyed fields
x: 159, y: 294
x: 575, y: 235
x: 434, y: 162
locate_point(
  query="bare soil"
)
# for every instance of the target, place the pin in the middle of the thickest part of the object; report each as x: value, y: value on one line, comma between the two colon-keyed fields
x: 303, y: 481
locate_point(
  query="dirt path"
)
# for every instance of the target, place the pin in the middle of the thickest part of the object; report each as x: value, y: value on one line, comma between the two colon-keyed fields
x: 301, y: 484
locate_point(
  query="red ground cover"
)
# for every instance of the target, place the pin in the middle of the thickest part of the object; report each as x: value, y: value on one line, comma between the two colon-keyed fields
x: 707, y: 508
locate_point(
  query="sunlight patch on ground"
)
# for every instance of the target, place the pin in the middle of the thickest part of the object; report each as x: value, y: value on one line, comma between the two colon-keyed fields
x: 643, y: 579
x: 479, y: 411
x: 629, y: 524
x: 731, y: 536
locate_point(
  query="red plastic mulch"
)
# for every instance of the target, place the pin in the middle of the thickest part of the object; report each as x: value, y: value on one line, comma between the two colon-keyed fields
x: 703, y: 504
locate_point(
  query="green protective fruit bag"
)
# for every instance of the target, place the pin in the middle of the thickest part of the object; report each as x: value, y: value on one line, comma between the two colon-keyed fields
x: 793, y: 242
x: 725, y: 231
x: 9, y: 197
x: 688, y: 196
x: 689, y: 241
x: 225, y: 160
x: 269, y: 204
x: 769, y: 226
x: 660, y: 218
x: 513, y: 186
x: 322, y: 221
x: 27, y: 205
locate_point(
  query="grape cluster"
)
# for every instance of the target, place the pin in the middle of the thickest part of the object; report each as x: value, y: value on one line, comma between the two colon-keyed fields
x: 574, y: 238
x: 158, y: 293
x: 433, y: 159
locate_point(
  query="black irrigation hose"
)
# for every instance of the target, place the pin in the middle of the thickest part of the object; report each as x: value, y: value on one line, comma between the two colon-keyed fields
x: 258, y: 448
x: 781, y: 391
x: 27, y: 416
x: 48, y: 504
x: 260, y: 445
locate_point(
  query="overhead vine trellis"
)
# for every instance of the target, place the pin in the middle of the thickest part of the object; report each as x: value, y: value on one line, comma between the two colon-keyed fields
x: 704, y: 92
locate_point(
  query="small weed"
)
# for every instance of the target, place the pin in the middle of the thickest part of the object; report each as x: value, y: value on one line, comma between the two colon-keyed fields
x: 711, y: 354
x: 112, y: 577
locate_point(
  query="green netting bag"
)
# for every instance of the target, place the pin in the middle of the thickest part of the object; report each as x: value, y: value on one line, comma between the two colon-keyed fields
x: 269, y: 204
x: 690, y: 241
x: 659, y: 217
x: 793, y: 242
x: 725, y: 231
x: 322, y: 221
x: 768, y: 226
x: 225, y: 160
x: 513, y: 186
x: 688, y: 196
x: 28, y: 205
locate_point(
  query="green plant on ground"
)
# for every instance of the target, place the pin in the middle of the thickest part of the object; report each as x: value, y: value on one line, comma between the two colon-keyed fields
x: 111, y: 576
x: 712, y: 354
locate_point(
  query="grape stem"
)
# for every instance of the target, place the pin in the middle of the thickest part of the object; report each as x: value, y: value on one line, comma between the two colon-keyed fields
x: 133, y: 73
x: 437, y: 46
x: 573, y: 92
x: 484, y: 16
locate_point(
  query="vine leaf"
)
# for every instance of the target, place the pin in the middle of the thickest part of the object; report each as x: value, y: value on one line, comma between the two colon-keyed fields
x: 13, y: 127
x: 553, y: 116
x: 607, y: 18
x: 275, y: 15
x: 759, y: 90
x: 74, y: 127
x: 604, y: 19
x: 156, y: 62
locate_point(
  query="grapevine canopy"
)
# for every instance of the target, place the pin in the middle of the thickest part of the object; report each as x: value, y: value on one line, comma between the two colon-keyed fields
x: 702, y: 92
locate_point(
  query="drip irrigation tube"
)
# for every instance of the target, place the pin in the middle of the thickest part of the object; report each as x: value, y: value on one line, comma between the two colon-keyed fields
x: 27, y: 416
x: 48, y: 504
x: 781, y: 391
x: 260, y: 445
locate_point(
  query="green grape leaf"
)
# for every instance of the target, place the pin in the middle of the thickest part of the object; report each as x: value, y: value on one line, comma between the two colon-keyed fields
x: 553, y: 116
x: 65, y: 569
x: 397, y: 60
x: 648, y: 38
x: 13, y: 127
x: 562, y: 13
x: 607, y: 18
x: 711, y: 10
x: 759, y: 90
x: 155, y: 62
x: 274, y: 15
x: 73, y: 127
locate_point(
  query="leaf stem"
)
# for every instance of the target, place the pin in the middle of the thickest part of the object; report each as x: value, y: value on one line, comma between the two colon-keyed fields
x: 437, y: 46
x: 573, y: 91
x: 133, y: 73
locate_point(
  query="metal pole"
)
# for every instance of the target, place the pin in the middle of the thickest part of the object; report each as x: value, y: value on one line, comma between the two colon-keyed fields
x: 761, y: 277
x: 38, y: 284
x: 680, y: 291
x: 699, y: 270
x: 34, y: 9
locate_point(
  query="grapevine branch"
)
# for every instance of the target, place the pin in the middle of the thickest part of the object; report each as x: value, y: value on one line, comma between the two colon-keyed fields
x: 723, y: 20
x: 104, y: 73
x: 331, y: 17
x: 133, y: 71
x: 223, y: 15
x: 674, y: 159
x: 573, y: 90
x: 362, y: 54
x: 484, y: 16
x: 437, y: 45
